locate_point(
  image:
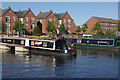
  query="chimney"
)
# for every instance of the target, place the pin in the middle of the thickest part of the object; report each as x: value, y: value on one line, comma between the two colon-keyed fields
x: 40, y: 12
x: 66, y: 12
x: 29, y: 9
x: 19, y: 10
x: 9, y: 7
x: 50, y: 10
x: 55, y: 13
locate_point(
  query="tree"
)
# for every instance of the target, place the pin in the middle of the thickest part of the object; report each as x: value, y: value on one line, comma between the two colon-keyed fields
x: 51, y: 26
x: 18, y: 26
x: 78, y: 29
x: 109, y: 33
x: 84, y: 27
x: 97, y: 26
x: 36, y: 30
x: 62, y: 28
x: 2, y: 27
x: 99, y: 33
x: 118, y: 26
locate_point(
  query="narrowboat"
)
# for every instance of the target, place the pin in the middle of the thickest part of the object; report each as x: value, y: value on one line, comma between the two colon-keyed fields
x: 57, y: 45
x: 113, y: 43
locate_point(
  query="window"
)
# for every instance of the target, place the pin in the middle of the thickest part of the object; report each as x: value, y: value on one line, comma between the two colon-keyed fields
x: 50, y: 20
x: 41, y: 20
x: 21, y: 19
x: 64, y: 20
x: 32, y: 26
x: 59, y: 22
x: 26, y: 18
x: 68, y: 21
x: 68, y: 27
x: 13, y: 18
x: 32, y: 20
x: 8, y: 26
x: 7, y: 18
x: 26, y: 25
x: 54, y: 19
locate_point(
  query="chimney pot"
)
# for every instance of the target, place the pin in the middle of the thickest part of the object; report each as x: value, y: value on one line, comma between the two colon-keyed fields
x: 50, y: 10
x: 9, y: 7
x: 66, y: 12
x: 19, y: 10
x: 55, y: 13
x: 40, y: 12
x: 29, y: 9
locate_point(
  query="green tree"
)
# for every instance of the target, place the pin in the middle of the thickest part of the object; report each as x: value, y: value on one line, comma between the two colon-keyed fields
x: 36, y: 30
x: 97, y: 26
x: 2, y: 27
x: 84, y: 27
x: 62, y: 28
x: 109, y: 33
x: 18, y: 26
x: 99, y: 33
x: 118, y: 26
x: 51, y: 26
x: 78, y: 29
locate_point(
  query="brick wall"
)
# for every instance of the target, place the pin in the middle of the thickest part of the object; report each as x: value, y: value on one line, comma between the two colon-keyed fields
x: 11, y: 14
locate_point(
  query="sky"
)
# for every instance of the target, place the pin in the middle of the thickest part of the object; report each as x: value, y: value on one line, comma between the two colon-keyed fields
x: 79, y: 11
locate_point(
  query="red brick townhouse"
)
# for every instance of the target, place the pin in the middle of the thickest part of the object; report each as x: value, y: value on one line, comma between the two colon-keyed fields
x: 28, y: 18
x: 106, y: 23
x: 66, y: 19
x: 44, y: 18
x: 9, y: 17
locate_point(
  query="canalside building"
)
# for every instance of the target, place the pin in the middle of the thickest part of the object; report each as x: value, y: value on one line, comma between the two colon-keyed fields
x: 28, y: 18
x: 68, y: 22
x: 43, y: 18
x: 106, y: 23
x: 9, y: 17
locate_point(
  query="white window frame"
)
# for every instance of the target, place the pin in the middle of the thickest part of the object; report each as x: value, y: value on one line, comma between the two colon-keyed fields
x: 9, y: 18
x: 26, y: 19
x: 13, y: 18
x: 26, y: 25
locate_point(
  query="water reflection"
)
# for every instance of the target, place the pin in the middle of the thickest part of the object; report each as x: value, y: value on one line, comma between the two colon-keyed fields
x: 88, y: 63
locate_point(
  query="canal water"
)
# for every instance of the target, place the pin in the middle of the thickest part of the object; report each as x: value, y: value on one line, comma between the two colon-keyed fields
x: 89, y: 63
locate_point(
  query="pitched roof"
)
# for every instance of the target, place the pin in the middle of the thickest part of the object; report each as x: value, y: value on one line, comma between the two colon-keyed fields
x: 60, y: 15
x: 100, y: 19
x: 21, y: 14
x: 43, y: 15
x: 4, y: 11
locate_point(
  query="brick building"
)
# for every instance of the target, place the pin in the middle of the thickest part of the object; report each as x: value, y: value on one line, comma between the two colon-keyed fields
x: 66, y: 19
x: 106, y: 23
x: 44, y: 18
x: 9, y: 17
x: 27, y: 17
